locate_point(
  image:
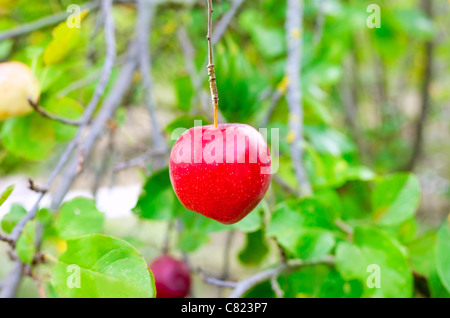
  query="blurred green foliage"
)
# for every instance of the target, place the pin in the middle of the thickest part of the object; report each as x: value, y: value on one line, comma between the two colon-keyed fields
x: 362, y: 212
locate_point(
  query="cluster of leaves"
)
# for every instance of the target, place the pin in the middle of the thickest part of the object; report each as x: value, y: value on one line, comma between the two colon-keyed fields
x: 359, y: 216
x: 89, y: 264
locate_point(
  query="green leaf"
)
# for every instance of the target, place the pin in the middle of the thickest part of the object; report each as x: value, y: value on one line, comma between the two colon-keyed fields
x: 327, y: 140
x: 30, y: 137
x: 156, y: 201
x: 6, y: 194
x: 323, y: 73
x: 335, y: 286
x: 305, y: 282
x: 415, y: 23
x: 372, y: 247
x: 284, y: 226
x: 443, y: 254
x: 437, y: 288
x: 395, y: 199
x: 251, y: 223
x: 78, y: 217
x: 65, y: 40
x: 44, y: 216
x: 191, y: 240
x: 422, y: 256
x: 25, y: 246
x: 100, y: 266
x: 15, y: 214
x: 255, y: 249
x: 314, y: 243
x: 269, y: 40
x: 304, y: 227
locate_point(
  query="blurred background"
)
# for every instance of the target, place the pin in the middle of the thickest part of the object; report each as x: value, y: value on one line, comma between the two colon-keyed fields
x: 375, y: 101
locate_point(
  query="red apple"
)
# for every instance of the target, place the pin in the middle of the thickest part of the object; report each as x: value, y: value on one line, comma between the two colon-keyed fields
x: 172, y: 277
x: 222, y: 173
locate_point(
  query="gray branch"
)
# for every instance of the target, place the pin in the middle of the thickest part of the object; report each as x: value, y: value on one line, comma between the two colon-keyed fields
x: 99, y: 90
x: 107, y: 110
x: 294, y: 21
x: 146, y: 11
x: 42, y: 23
x: 222, y: 25
x: 245, y: 285
x: 12, y: 281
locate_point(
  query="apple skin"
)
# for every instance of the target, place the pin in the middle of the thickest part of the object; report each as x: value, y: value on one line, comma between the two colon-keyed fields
x: 17, y: 84
x: 172, y: 277
x: 221, y: 190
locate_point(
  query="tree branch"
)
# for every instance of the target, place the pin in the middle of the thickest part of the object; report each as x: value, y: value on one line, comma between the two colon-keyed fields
x: 245, y: 285
x: 108, y: 107
x: 222, y: 25
x: 6, y: 238
x: 12, y: 281
x: 44, y: 22
x: 143, y: 29
x: 294, y: 95
x: 426, y: 104
x: 87, y: 114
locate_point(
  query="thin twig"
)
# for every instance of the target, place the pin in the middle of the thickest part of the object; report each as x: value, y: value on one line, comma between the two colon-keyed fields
x: 216, y: 281
x: 320, y: 21
x: 226, y: 258
x: 189, y: 57
x: 211, y: 71
x: 166, y: 243
x: 284, y: 184
x: 32, y: 186
x: 221, y: 27
x: 139, y: 161
x: 41, y: 111
x: 294, y: 31
x: 276, y: 96
x: 276, y: 287
x: 6, y: 238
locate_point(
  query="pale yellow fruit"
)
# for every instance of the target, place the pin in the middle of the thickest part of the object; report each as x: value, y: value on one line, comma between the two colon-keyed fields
x: 17, y: 85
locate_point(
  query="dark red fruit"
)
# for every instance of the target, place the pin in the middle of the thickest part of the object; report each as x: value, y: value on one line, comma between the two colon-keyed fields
x: 172, y: 277
x: 224, y: 174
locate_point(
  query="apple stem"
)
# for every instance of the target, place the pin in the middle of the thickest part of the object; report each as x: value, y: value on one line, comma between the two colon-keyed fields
x: 211, y: 71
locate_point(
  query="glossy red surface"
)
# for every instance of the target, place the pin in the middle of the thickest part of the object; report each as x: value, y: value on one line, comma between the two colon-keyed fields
x: 222, y: 173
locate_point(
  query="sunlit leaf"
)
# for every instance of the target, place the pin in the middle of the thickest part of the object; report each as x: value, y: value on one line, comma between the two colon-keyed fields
x: 395, y: 198
x: 65, y: 39
x: 99, y: 266
x: 78, y: 217
x: 25, y: 246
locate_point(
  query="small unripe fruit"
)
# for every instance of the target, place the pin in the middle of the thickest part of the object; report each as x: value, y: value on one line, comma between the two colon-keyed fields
x: 17, y: 85
x: 172, y: 277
